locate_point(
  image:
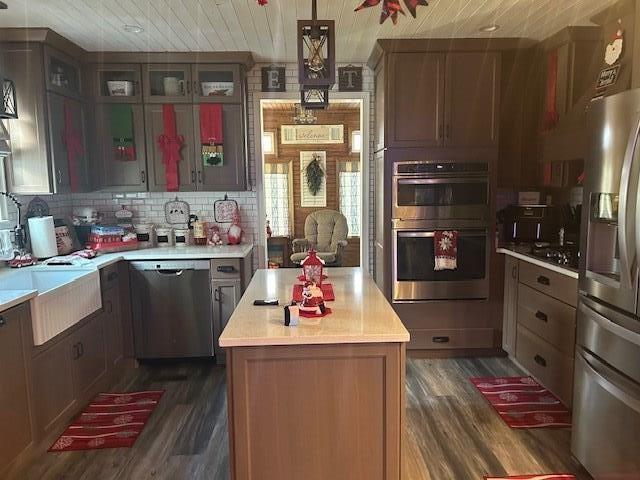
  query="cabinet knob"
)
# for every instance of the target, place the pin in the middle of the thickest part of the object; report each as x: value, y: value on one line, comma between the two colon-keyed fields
x: 217, y: 295
x: 193, y: 176
x: 440, y: 339
x: 514, y: 272
x: 541, y: 316
x: 542, y: 280
x: 143, y: 176
x: 199, y: 176
x: 3, y: 322
x: 112, y: 276
x: 540, y: 360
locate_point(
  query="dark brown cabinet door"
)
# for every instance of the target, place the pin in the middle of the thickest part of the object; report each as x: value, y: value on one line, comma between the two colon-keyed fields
x: 231, y: 175
x: 115, y: 83
x: 472, y: 99
x: 52, y: 380
x: 88, y: 348
x: 69, y: 172
x: 14, y: 414
x: 112, y: 326
x: 120, y: 154
x: 62, y: 73
x: 415, y: 95
x: 154, y: 128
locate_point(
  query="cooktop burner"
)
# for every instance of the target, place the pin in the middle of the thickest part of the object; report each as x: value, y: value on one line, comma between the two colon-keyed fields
x: 567, y: 257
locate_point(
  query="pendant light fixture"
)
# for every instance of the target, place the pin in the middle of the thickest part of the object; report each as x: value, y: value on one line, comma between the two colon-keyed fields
x: 316, y: 59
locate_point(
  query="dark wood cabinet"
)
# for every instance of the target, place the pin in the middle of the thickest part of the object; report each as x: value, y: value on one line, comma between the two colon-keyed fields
x: 113, y: 334
x: 62, y: 73
x: 214, y: 83
x: 113, y: 168
x: 472, y: 99
x: 437, y: 99
x: 167, y: 83
x: 231, y: 175
x: 88, y: 355
x: 115, y: 83
x: 54, y: 396
x: 185, y: 127
x: 39, y: 163
x: 15, y: 415
x: 69, y: 169
x: 415, y: 97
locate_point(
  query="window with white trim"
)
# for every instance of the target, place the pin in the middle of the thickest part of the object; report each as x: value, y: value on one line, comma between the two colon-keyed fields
x: 277, y: 189
x: 349, y: 189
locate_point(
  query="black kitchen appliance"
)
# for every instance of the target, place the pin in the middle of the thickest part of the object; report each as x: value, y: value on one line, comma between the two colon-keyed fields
x: 530, y: 223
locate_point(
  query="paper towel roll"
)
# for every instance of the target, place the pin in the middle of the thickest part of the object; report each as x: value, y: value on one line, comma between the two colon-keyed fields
x: 43, y: 237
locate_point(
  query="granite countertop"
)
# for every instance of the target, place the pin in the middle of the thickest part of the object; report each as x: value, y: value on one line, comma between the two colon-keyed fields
x: 360, y: 313
x: 527, y: 257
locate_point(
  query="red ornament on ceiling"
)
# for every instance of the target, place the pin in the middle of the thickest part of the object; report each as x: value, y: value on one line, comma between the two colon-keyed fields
x: 262, y: 2
x: 391, y: 8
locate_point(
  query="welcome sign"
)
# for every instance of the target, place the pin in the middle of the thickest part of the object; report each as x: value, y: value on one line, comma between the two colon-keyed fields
x: 311, y: 134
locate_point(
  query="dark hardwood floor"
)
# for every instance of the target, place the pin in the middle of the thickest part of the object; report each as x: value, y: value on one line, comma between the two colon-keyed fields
x: 451, y: 433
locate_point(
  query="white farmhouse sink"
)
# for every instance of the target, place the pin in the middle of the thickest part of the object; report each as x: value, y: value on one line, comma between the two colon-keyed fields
x: 64, y: 298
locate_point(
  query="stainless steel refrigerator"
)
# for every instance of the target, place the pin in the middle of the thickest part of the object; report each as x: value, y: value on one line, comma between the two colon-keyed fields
x: 606, y: 417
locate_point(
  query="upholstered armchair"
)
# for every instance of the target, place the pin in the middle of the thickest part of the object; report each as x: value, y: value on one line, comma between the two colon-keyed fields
x: 325, y: 231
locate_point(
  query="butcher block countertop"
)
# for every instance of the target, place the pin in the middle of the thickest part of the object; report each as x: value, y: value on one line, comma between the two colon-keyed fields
x: 360, y: 313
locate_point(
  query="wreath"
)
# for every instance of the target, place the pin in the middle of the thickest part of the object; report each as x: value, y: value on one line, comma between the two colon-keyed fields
x: 314, y: 175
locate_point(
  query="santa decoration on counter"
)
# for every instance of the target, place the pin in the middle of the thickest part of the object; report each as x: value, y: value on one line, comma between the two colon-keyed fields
x: 234, y: 235
x: 312, y: 300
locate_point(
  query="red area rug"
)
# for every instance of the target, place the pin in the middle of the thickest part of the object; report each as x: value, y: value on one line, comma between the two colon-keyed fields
x: 523, y: 403
x: 549, y: 476
x: 327, y: 292
x: 111, y: 420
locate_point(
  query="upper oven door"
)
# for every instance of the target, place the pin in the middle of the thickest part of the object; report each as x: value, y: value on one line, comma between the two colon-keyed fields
x: 414, y: 274
x: 442, y: 198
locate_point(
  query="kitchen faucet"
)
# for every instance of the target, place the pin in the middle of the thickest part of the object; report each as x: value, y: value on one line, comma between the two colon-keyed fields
x: 18, y: 231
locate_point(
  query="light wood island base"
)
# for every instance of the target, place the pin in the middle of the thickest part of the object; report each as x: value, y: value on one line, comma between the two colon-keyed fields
x: 316, y: 402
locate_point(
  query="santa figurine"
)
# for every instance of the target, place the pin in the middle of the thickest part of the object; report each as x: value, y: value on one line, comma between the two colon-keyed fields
x: 312, y: 299
x: 213, y: 237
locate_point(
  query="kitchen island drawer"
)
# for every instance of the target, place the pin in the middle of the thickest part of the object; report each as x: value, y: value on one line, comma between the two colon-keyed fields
x: 455, y: 338
x: 551, y: 283
x: 546, y: 363
x: 548, y: 318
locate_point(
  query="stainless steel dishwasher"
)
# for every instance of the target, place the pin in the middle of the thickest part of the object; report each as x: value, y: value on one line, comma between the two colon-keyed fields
x: 172, y: 310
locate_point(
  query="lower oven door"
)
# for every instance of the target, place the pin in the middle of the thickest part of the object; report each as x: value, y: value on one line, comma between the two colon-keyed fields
x: 414, y: 276
x: 606, y: 420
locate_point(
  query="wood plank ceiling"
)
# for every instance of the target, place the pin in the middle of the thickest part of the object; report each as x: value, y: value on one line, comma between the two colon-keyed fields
x: 269, y: 32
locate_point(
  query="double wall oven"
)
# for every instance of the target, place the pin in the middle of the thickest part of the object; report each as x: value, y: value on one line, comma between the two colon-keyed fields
x: 430, y: 196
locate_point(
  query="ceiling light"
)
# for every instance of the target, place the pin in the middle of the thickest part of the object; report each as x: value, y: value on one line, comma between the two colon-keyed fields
x: 490, y: 28
x: 133, y: 29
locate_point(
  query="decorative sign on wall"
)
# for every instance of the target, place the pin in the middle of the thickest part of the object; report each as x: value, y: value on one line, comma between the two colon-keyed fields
x: 608, y: 77
x: 311, y: 134
x: 350, y: 79
x: 313, y: 182
x: 273, y: 79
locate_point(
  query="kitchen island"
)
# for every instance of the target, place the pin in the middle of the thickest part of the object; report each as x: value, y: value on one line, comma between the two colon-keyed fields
x: 324, y: 399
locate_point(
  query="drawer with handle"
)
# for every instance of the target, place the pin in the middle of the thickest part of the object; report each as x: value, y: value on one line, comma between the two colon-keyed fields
x: 552, y: 283
x: 548, y: 318
x: 547, y: 364
x: 443, y: 339
x: 225, y: 268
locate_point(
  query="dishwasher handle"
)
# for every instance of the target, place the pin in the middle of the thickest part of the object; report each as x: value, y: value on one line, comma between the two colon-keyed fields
x: 171, y: 272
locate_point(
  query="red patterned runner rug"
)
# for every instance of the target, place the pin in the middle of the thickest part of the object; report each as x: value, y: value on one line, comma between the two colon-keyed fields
x: 523, y: 403
x: 111, y: 420
x: 549, y: 476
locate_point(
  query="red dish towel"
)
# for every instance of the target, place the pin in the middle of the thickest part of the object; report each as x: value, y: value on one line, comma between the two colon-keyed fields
x: 170, y: 143
x: 445, y: 247
x: 327, y: 292
x: 211, y: 124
